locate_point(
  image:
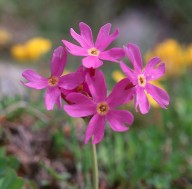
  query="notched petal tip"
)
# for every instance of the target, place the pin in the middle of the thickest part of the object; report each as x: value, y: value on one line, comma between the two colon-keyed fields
x: 82, y: 24
x: 143, y: 111
x: 49, y: 108
x: 116, y: 32
x: 72, y: 30
x: 95, y: 141
x: 58, y: 61
x: 132, y: 45
x: 107, y: 24
x: 156, y: 59
x: 125, y: 49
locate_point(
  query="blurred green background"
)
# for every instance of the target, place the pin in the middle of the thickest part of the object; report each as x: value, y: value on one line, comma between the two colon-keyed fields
x: 46, y: 150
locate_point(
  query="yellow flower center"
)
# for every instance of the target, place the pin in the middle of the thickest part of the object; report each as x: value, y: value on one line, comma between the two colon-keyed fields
x: 93, y: 51
x: 142, y: 80
x: 79, y: 88
x: 102, y: 108
x: 53, y: 81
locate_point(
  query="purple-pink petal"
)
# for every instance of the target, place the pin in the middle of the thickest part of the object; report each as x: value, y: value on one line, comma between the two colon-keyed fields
x: 74, y: 49
x: 152, y: 63
x: 32, y: 75
x: 81, y: 106
x: 104, y: 39
x: 58, y: 61
x: 135, y: 57
x: 122, y: 93
x: 159, y: 95
x: 95, y: 129
x: 51, y: 97
x: 112, y: 55
x: 37, y: 85
x: 142, y: 100
x: 129, y: 73
x: 71, y: 81
x: 154, y: 69
x: 59, y: 103
x: 36, y: 81
x: 86, y: 33
x: 92, y: 62
x: 113, y: 36
x: 118, y: 118
x: 97, y: 86
x: 79, y: 39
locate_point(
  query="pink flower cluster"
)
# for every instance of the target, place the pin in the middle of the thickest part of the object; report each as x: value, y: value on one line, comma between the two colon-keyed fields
x: 85, y: 92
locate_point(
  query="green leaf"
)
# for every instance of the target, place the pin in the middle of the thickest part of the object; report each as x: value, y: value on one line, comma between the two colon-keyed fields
x: 11, y: 181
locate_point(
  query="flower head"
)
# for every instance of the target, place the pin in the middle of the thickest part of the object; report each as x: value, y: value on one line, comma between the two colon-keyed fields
x: 56, y: 81
x: 82, y: 87
x: 141, y: 79
x: 99, y: 107
x: 94, y: 52
x: 173, y: 54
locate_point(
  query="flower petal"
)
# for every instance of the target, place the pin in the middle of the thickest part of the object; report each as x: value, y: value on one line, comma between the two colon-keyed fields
x: 74, y: 49
x: 103, y: 38
x: 154, y: 70
x: 122, y: 93
x: 59, y: 103
x: 51, y: 97
x: 118, y: 118
x: 36, y: 81
x: 95, y: 128
x: 97, y: 86
x: 135, y: 57
x: 58, y: 61
x: 71, y: 81
x: 92, y: 62
x: 112, y: 54
x: 32, y: 75
x: 79, y: 39
x: 158, y: 94
x: 142, y: 101
x: 82, y: 106
x: 86, y: 33
x: 129, y: 73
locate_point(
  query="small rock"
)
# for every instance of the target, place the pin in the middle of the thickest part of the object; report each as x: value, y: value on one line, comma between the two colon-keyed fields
x: 10, y: 77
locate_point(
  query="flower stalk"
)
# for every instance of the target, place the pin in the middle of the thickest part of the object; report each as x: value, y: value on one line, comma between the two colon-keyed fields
x: 94, y: 166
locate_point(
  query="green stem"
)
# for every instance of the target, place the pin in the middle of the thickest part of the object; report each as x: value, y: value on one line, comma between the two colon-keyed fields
x: 95, y: 167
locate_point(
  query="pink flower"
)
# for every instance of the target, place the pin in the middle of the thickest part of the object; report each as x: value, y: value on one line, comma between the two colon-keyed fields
x: 94, y: 52
x: 56, y: 81
x: 100, y: 107
x: 141, y: 79
x: 82, y: 87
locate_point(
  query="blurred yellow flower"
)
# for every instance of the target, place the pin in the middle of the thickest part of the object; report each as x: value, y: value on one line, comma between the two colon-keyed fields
x: 189, y: 54
x: 65, y: 72
x: 19, y: 52
x: 118, y: 75
x: 37, y: 47
x: 5, y: 37
x: 31, y: 50
x: 173, y: 54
